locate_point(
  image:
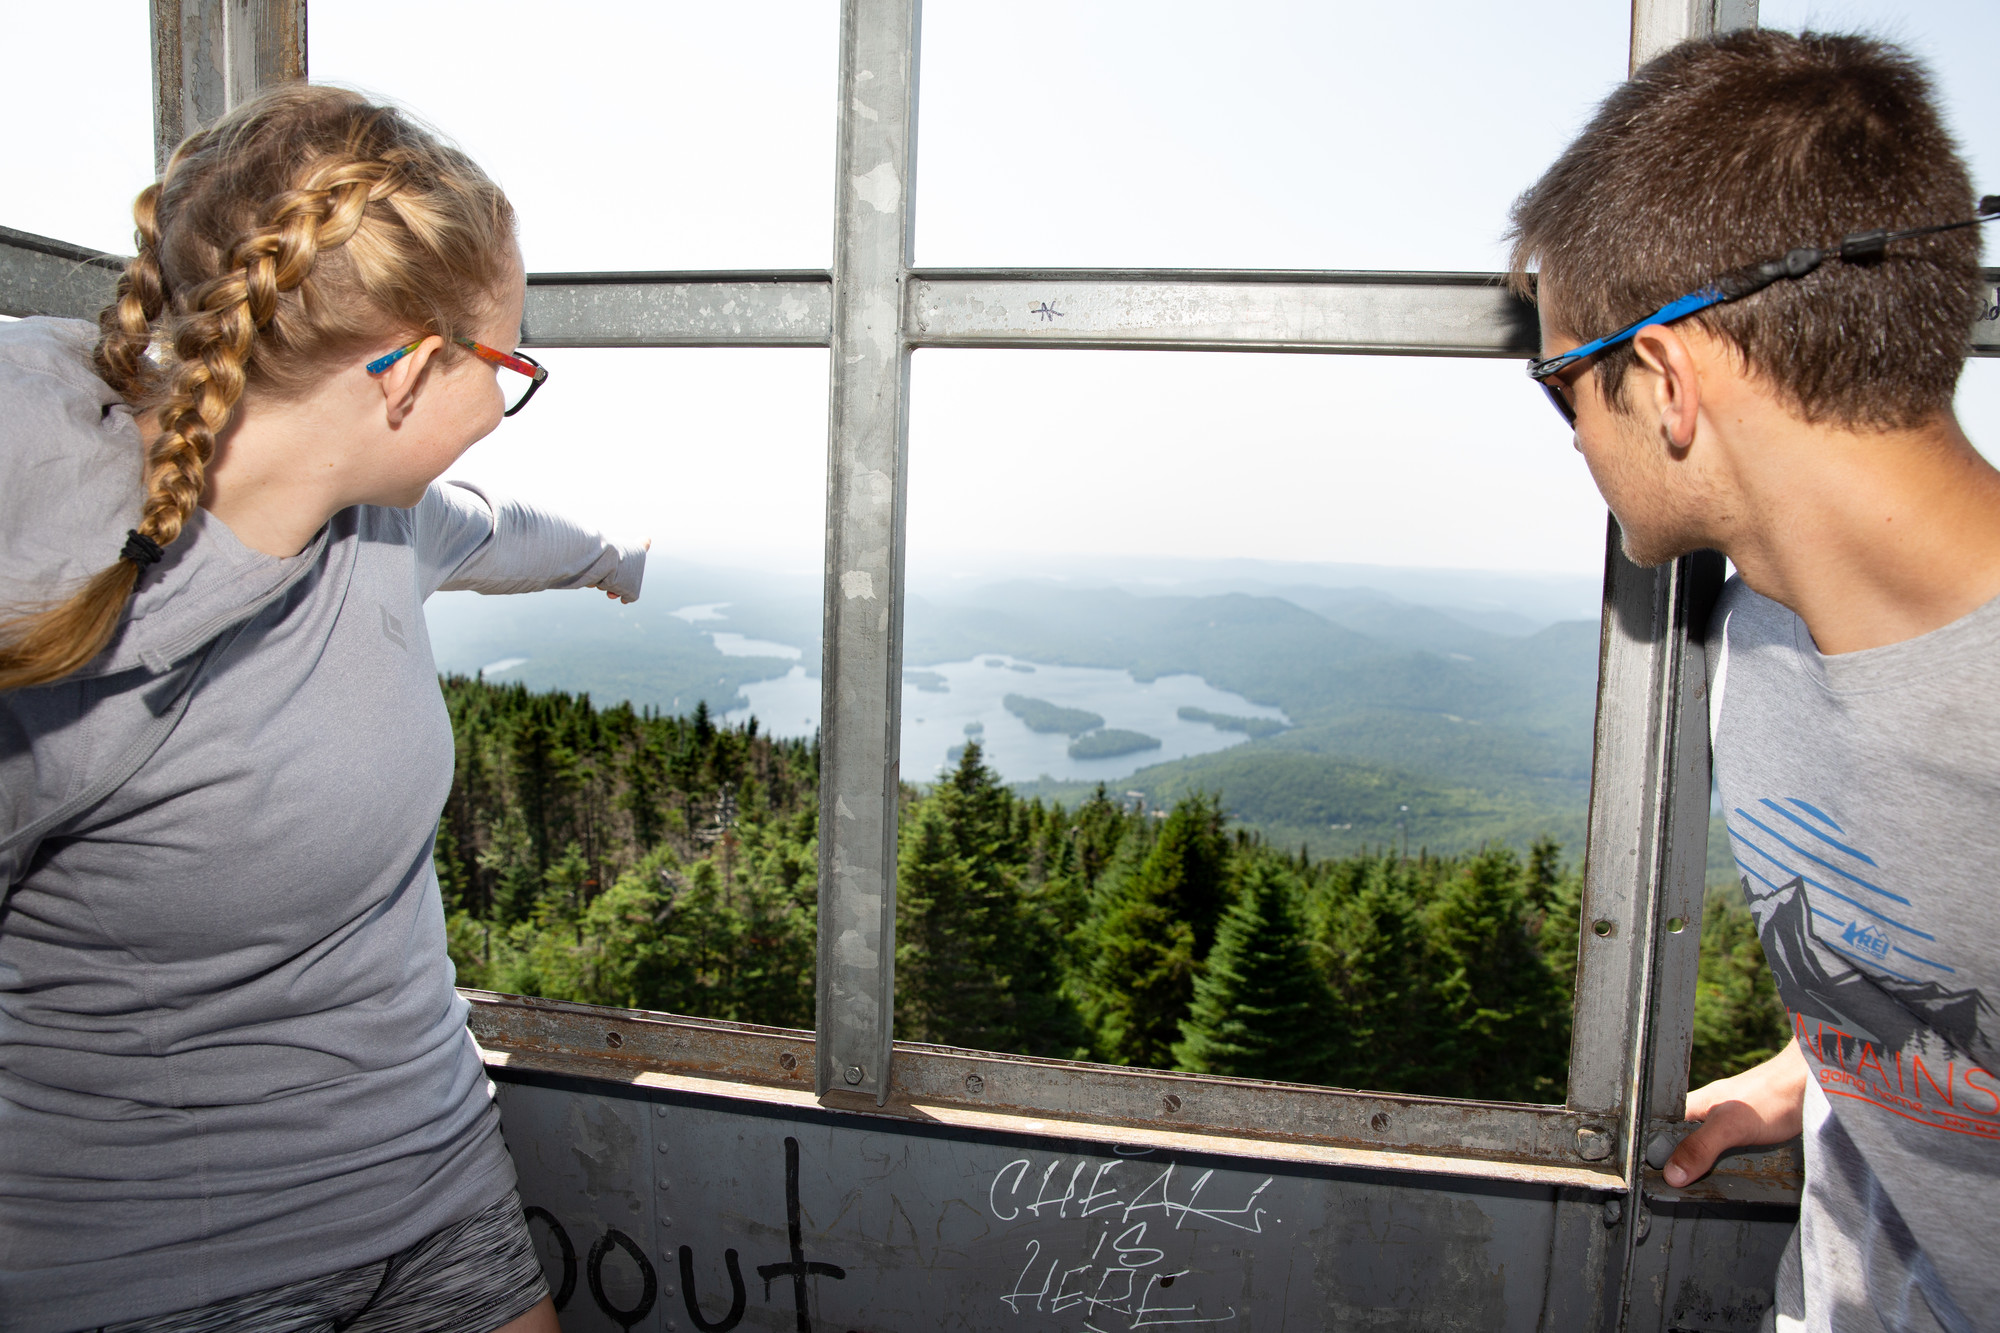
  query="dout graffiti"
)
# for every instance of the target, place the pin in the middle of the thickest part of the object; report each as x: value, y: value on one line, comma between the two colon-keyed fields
x: 797, y: 1267
x: 1119, y: 1238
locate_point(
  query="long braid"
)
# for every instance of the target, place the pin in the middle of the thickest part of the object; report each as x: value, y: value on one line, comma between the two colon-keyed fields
x: 213, y: 338
x: 126, y: 325
x: 40, y: 646
x: 214, y: 334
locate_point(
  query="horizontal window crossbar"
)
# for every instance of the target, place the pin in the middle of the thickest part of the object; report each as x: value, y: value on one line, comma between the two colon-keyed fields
x: 1440, y: 314
x: 1493, y: 1139
x: 983, y: 1090
x: 40, y: 276
x: 744, y: 309
x: 1437, y: 314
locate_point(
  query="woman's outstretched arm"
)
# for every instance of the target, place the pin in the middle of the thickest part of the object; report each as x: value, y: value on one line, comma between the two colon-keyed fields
x: 469, y: 540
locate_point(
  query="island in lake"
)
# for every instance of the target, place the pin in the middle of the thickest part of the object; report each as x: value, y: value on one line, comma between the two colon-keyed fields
x: 1041, y: 715
x: 1110, y: 743
x: 1256, y: 728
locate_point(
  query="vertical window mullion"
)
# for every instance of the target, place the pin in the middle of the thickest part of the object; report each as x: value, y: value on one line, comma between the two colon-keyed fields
x: 868, y: 432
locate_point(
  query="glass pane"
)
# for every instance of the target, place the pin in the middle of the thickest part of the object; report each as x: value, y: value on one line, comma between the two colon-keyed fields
x: 1979, y: 404
x: 1261, y: 134
x: 630, y: 134
x: 73, y: 174
x: 1249, y: 703
x: 623, y: 829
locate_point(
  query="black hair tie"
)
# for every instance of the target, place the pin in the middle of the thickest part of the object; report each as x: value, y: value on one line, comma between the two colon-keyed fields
x: 140, y: 549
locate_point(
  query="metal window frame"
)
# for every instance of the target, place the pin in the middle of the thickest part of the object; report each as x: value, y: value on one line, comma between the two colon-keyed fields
x: 1648, y: 819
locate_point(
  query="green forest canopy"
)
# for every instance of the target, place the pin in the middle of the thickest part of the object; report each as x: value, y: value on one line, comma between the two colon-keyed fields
x: 622, y: 857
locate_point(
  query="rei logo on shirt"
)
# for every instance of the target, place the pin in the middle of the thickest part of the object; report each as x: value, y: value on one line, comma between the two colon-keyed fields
x: 1870, y: 939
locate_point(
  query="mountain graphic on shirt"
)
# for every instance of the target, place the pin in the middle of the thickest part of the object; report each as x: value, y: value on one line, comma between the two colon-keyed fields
x: 1884, y: 1011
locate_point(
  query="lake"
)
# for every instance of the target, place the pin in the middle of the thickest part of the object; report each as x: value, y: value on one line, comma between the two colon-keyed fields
x: 935, y: 719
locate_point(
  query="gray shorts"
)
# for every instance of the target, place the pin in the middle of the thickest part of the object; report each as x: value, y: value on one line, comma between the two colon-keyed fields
x: 470, y: 1277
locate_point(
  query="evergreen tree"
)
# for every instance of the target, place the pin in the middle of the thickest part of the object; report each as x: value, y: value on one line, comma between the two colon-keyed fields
x: 1382, y: 992
x: 1260, y: 1009
x: 976, y: 961
x: 1142, y: 943
x: 1543, y: 874
x: 1188, y: 867
x: 943, y: 933
x: 509, y: 861
x: 1496, y: 1001
x: 646, y: 786
x: 454, y: 883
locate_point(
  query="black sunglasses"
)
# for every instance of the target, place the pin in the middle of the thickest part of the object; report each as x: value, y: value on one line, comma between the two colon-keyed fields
x: 1855, y: 248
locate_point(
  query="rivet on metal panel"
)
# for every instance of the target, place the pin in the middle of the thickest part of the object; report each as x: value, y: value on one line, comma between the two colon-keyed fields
x: 663, y: 1183
x: 1658, y: 1149
x: 1379, y: 1122
x: 788, y: 1062
x: 1171, y: 1102
x: 854, y: 1074
x: 1604, y: 927
x: 613, y: 1040
x: 661, y: 1111
x: 1593, y: 1142
x: 974, y: 1084
x: 1614, y: 1212
x: 664, y: 1146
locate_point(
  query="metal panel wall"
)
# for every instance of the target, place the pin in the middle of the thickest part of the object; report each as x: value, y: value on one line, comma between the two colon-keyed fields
x: 650, y: 1206
x: 659, y: 1183
x: 39, y: 276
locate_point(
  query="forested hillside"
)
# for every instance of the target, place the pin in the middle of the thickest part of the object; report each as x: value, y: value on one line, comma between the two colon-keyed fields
x: 618, y: 856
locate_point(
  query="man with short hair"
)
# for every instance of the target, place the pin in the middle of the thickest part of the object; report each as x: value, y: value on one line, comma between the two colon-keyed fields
x: 1796, y: 218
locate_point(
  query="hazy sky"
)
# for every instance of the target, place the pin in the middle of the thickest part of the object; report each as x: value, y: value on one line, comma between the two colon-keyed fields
x: 663, y: 135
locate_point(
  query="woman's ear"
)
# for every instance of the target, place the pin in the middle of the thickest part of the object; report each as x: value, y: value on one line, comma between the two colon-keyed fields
x: 404, y: 382
x: 1675, y: 382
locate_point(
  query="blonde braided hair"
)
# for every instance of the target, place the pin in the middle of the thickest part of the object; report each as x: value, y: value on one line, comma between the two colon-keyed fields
x: 303, y: 229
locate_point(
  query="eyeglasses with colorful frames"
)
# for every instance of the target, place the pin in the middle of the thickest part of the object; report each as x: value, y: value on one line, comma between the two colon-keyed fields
x: 1857, y: 247
x: 515, y: 392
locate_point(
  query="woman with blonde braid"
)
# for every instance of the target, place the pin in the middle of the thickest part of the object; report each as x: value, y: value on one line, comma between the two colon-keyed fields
x: 236, y: 1088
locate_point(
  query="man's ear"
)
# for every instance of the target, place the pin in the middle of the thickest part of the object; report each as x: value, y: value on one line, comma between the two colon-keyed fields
x: 1675, y: 381
x: 403, y: 383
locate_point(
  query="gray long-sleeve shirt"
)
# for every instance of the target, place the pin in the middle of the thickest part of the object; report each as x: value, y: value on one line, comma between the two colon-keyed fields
x: 230, y: 1051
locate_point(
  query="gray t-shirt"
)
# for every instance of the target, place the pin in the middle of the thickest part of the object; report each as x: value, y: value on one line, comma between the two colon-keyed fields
x: 1862, y: 794
x: 231, y: 1055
